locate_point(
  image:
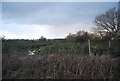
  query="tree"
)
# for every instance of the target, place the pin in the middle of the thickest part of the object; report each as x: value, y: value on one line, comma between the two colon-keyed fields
x: 80, y: 36
x: 2, y: 37
x: 71, y: 38
x: 42, y: 39
x: 109, y: 23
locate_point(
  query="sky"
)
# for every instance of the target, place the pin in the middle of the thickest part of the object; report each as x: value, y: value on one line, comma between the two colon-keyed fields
x: 31, y: 20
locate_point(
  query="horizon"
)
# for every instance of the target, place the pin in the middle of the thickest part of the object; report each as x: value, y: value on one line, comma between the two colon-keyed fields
x: 52, y: 20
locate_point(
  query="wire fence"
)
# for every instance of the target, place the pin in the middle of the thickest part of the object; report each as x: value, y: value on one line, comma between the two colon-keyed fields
x: 84, y: 47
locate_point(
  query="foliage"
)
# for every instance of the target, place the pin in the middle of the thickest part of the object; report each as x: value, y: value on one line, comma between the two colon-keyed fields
x: 80, y: 36
x: 21, y: 44
x: 67, y: 47
x: 59, y: 66
x: 72, y: 48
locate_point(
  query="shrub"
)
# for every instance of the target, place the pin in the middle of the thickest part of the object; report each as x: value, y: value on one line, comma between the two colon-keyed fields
x: 59, y: 66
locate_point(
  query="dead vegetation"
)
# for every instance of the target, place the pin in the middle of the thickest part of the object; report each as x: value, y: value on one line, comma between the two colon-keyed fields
x: 59, y: 66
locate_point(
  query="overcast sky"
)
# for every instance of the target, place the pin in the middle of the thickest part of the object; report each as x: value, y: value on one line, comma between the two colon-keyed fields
x: 31, y: 20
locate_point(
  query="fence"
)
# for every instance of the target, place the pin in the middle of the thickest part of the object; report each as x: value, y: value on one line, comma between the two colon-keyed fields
x: 94, y: 46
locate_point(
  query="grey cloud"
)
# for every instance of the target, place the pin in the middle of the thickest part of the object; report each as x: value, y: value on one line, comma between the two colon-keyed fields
x: 50, y: 13
x: 52, y: 19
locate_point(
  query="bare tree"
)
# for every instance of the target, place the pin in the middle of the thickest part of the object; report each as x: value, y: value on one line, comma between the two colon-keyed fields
x: 109, y: 23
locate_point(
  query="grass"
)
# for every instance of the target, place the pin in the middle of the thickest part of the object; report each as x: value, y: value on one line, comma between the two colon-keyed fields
x: 72, y: 49
x: 59, y: 66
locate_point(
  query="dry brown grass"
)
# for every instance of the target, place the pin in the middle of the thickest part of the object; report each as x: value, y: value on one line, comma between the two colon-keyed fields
x: 59, y: 66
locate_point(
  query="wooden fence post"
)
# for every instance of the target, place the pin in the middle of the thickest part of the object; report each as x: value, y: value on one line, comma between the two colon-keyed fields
x: 89, y: 47
x: 109, y: 44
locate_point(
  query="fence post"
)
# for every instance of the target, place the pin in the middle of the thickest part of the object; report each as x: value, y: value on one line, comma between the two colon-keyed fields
x: 89, y: 47
x: 109, y: 45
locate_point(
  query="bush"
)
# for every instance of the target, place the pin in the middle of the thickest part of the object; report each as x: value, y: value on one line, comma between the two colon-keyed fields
x: 98, y: 50
x: 60, y: 47
x: 59, y: 66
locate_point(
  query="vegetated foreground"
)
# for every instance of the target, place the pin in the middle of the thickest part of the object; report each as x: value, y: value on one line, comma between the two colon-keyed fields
x: 59, y: 66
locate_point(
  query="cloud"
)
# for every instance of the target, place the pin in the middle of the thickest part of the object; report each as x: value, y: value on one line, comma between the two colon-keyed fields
x: 28, y: 31
x: 24, y: 31
x: 30, y: 20
x: 51, y: 13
